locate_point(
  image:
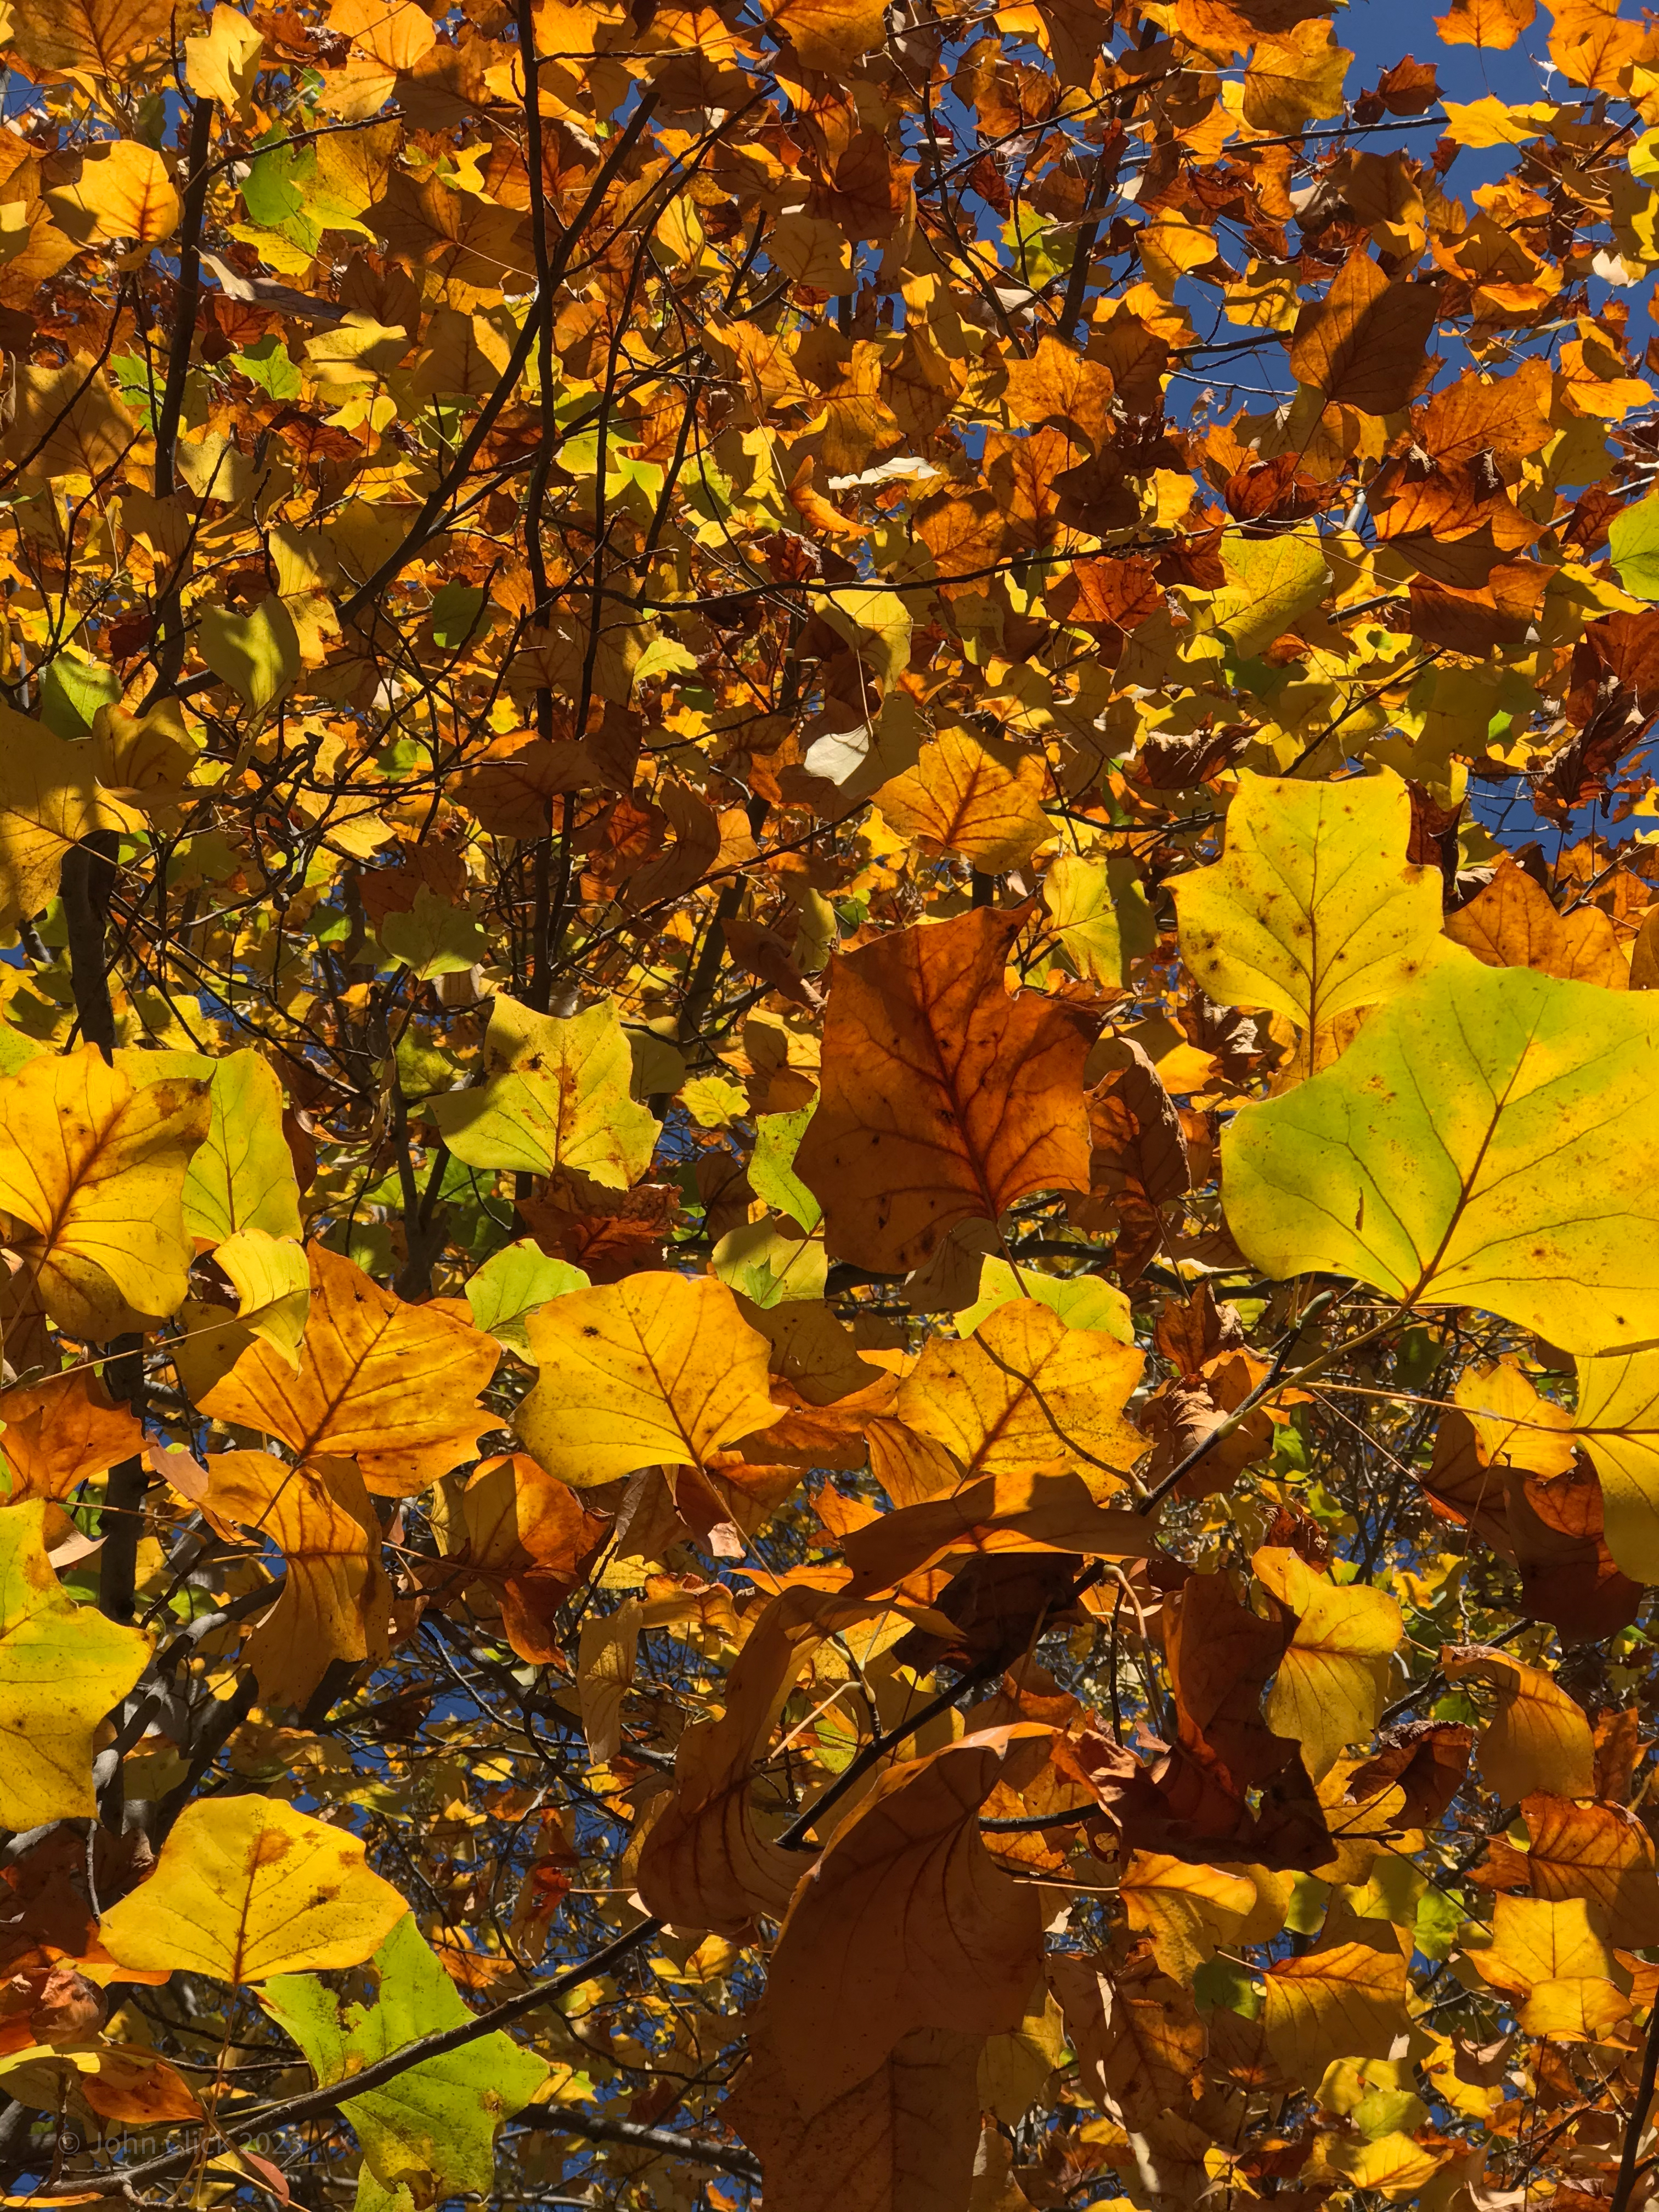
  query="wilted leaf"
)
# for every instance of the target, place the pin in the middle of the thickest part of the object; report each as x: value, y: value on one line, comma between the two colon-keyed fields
x: 1364, y: 346
x: 61, y: 1432
x: 902, y: 2139
x: 904, y: 1924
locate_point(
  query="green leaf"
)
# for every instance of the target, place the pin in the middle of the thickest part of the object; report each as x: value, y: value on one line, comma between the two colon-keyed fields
x: 432, y: 2130
x: 1101, y: 917
x: 1081, y: 1301
x: 275, y: 193
x: 433, y: 938
x: 1270, y: 581
x: 772, y: 1174
x: 460, y: 615
x: 771, y: 1261
x: 266, y: 364
x: 72, y: 692
x: 1633, y: 545
x: 516, y: 1283
x: 256, y: 654
x: 242, y: 1176
x: 1446, y: 1158
x: 557, y: 1095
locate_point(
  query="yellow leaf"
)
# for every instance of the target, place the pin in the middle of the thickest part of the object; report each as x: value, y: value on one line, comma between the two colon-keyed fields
x: 248, y: 1886
x: 393, y: 1386
x: 1511, y: 1422
x: 1314, y: 909
x: 123, y: 193
x: 1023, y: 1391
x: 980, y: 800
x: 876, y: 623
x: 1539, y: 1738
x: 827, y: 34
x: 272, y: 1281
x: 1344, y: 1999
x: 555, y: 1095
x: 1549, y: 1955
x: 654, y: 1370
x: 93, y: 1171
x: 69, y: 422
x: 48, y: 802
x: 462, y: 354
x: 63, y: 1668
x: 1396, y: 2165
x: 335, y: 1601
x: 1618, y: 1424
x: 1332, y: 1682
x: 1482, y: 124
x: 224, y: 64
x: 1184, y: 1910
x: 1101, y: 916
x: 1271, y: 582
x: 606, y: 1657
x: 1443, y: 1159
x: 1293, y: 77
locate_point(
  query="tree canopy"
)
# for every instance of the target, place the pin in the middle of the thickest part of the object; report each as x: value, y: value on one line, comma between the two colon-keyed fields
x: 829, y: 1106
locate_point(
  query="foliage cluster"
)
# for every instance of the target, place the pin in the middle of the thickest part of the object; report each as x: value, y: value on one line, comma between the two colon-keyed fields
x: 829, y: 1332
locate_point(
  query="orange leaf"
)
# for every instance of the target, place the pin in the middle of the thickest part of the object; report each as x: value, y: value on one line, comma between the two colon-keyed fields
x: 62, y: 1432
x: 393, y: 1386
x: 704, y: 1864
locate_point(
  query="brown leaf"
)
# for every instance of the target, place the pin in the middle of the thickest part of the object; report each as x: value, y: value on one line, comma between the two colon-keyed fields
x: 705, y: 1863
x: 905, y: 1923
x: 1138, y: 1157
x: 900, y: 2138
x: 944, y: 1098
x: 1427, y: 1759
x: 1364, y: 345
x: 1139, y: 2042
